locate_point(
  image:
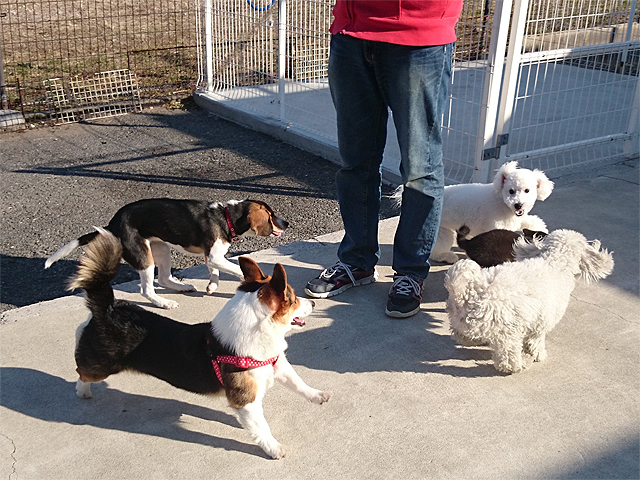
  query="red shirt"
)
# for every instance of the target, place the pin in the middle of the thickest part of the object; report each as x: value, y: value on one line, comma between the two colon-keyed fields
x: 403, y: 22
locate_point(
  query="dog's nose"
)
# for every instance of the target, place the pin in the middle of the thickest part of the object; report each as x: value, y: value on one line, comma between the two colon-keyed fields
x: 517, y: 206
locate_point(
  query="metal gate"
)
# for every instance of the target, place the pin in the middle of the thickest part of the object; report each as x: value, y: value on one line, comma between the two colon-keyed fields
x: 549, y: 83
x: 570, y: 91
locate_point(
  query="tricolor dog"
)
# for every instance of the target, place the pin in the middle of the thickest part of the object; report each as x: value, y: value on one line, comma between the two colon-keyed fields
x: 239, y: 353
x: 148, y: 229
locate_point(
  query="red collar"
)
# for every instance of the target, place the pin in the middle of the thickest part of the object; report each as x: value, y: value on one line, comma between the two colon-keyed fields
x: 234, y: 235
x: 240, y: 362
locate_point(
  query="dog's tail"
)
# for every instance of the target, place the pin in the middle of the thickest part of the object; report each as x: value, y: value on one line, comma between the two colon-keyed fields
x: 97, y: 269
x: 70, y: 247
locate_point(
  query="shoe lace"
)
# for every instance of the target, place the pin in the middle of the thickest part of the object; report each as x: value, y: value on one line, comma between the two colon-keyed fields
x: 406, y: 286
x: 339, y: 267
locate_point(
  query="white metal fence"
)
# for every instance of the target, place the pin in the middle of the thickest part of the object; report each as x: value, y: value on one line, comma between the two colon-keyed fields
x: 550, y: 83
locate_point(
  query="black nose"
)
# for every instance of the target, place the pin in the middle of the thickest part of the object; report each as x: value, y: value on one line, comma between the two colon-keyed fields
x: 517, y: 206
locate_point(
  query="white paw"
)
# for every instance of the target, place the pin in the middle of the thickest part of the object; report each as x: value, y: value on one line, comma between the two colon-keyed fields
x: 166, y: 304
x: 212, y: 287
x: 277, y: 451
x: 83, y: 389
x: 321, y: 397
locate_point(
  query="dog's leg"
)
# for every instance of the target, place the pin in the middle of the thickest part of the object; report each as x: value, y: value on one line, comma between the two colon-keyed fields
x: 83, y: 389
x: 214, y: 279
x: 251, y: 417
x: 442, y: 249
x: 288, y: 377
x: 216, y: 262
x: 507, y: 355
x: 535, y: 346
x: 162, y: 257
x: 147, y: 290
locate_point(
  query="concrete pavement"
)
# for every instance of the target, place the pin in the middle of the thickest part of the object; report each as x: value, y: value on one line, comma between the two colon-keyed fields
x: 408, y: 402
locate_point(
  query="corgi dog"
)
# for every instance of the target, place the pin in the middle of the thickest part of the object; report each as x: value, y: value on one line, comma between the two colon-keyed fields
x: 238, y: 354
x: 149, y: 228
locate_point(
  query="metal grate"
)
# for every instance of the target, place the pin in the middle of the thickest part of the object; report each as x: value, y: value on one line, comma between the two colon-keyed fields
x: 106, y: 94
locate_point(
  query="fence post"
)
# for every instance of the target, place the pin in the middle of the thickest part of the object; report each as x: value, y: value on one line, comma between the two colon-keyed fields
x: 510, y: 82
x: 208, y: 41
x: 632, y: 147
x: 282, y: 54
x: 491, y: 90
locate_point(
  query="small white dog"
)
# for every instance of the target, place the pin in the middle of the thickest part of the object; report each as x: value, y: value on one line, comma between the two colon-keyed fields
x: 512, y: 306
x: 503, y: 204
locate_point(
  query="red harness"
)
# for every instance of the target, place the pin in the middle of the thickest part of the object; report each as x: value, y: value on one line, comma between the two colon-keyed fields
x: 240, y: 362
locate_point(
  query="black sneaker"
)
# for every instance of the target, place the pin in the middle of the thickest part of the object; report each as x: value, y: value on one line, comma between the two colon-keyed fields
x: 405, y: 297
x: 335, y: 280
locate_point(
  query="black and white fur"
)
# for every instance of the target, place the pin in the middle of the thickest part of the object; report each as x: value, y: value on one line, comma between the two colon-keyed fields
x: 122, y: 336
x: 494, y: 247
x: 149, y: 228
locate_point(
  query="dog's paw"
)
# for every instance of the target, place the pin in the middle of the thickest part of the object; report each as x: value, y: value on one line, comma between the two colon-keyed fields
x: 321, y: 397
x: 212, y: 287
x: 446, y: 257
x: 277, y: 451
x: 168, y: 304
x: 83, y: 389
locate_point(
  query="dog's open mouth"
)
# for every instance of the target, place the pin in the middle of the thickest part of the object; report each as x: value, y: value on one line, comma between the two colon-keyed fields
x: 519, y: 212
x: 276, y: 233
x: 297, y: 321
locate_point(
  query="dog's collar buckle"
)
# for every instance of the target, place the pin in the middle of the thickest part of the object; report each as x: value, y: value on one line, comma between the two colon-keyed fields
x: 234, y: 235
x: 240, y: 362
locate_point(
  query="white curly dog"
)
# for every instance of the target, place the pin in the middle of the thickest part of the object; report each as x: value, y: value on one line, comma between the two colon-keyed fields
x: 505, y: 203
x: 512, y: 306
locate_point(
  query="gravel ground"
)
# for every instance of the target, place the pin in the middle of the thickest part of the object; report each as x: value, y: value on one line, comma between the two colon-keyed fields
x: 59, y: 181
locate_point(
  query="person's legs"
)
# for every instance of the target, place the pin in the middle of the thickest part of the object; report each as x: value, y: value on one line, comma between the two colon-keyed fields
x: 362, y: 131
x: 415, y: 84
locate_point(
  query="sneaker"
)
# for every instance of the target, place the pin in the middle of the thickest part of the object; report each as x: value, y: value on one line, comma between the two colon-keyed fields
x: 405, y: 297
x: 335, y: 280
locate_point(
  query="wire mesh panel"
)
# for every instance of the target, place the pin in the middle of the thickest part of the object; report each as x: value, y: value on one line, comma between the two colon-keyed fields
x: 577, y: 77
x: 569, y: 93
x: 65, y: 39
x: 106, y: 94
x: 468, y: 98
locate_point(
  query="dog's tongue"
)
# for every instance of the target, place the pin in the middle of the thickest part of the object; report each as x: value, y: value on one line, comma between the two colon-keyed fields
x: 519, y: 213
x: 276, y: 234
x: 297, y: 321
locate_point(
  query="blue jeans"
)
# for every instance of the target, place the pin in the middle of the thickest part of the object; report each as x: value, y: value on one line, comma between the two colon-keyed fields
x: 366, y: 80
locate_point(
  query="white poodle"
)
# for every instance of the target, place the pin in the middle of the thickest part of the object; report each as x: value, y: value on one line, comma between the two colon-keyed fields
x: 503, y: 204
x: 512, y: 306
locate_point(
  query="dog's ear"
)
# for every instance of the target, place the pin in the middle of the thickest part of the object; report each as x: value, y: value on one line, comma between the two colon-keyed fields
x: 503, y: 172
x: 278, y: 280
x: 251, y: 270
x: 595, y: 263
x: 544, y: 185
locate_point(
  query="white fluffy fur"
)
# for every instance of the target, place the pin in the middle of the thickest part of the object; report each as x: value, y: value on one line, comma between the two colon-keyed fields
x: 514, y: 305
x: 504, y: 204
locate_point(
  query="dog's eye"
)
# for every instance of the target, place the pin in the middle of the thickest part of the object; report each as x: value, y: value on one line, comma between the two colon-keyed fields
x: 511, y: 191
x: 526, y: 190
